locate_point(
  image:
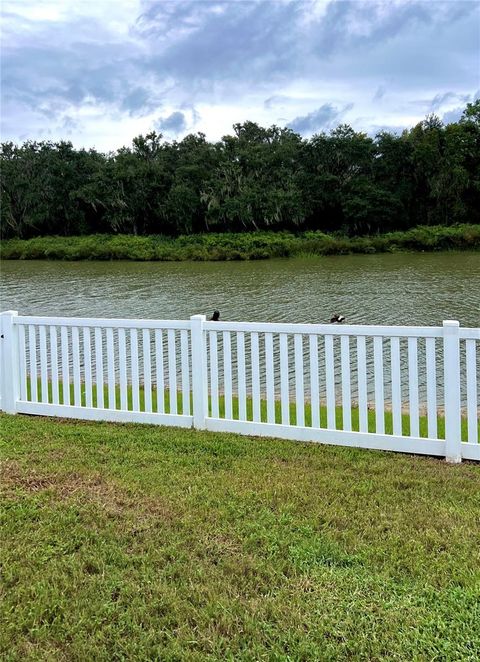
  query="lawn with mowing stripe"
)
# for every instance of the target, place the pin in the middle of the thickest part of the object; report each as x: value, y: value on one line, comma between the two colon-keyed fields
x: 151, y: 543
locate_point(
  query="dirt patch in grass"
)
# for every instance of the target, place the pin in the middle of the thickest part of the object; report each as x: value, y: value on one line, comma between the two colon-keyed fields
x: 81, y: 487
x: 12, y: 479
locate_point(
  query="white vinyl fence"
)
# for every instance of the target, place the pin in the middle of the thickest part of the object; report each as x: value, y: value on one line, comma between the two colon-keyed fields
x: 407, y: 389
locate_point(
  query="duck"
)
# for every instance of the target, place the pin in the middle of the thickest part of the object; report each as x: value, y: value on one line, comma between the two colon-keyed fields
x: 337, y: 319
x: 215, y: 317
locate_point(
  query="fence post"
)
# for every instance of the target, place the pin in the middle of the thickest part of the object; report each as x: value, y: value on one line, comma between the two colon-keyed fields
x: 199, y: 372
x: 451, y: 367
x: 9, y: 368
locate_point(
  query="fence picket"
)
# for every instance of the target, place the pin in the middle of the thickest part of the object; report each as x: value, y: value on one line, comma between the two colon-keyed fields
x: 159, y: 372
x: 135, y: 369
x: 227, y: 373
x: 32, y: 354
x: 185, y: 373
x: 346, y: 385
x: 214, y: 373
x: 65, y: 365
x: 431, y: 371
x: 87, y: 359
x: 99, y: 367
x: 255, y: 356
x: 77, y: 385
x: 396, y: 386
x: 54, y: 364
x: 379, y: 385
x: 242, y: 386
x: 43, y: 363
x: 472, y: 411
x: 413, y: 387
x: 122, y: 360
x: 270, y: 378
x: 362, y: 383
x: 147, y: 370
x: 314, y: 381
x: 330, y: 382
x: 22, y: 350
x: 172, y: 370
x: 452, y: 391
x: 299, y: 385
x: 110, y: 368
x: 284, y: 381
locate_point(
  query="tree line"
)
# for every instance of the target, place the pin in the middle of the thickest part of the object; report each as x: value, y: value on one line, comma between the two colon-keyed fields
x: 256, y: 179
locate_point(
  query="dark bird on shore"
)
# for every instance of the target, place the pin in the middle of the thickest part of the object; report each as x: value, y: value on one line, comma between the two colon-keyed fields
x: 337, y: 319
x: 216, y: 316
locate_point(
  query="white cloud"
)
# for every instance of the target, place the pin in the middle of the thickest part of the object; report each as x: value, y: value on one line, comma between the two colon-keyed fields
x: 107, y: 70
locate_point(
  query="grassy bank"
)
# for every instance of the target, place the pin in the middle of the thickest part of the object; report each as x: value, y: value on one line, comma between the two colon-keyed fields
x: 244, y: 246
x: 167, y: 408
x: 141, y: 542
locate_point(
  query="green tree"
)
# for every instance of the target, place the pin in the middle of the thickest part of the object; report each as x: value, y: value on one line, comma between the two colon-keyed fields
x: 256, y: 178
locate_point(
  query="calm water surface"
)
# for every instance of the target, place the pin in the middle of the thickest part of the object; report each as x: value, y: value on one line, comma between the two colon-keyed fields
x: 417, y: 289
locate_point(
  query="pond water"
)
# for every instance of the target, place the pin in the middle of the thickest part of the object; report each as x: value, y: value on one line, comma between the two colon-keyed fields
x: 412, y: 289
x: 409, y: 289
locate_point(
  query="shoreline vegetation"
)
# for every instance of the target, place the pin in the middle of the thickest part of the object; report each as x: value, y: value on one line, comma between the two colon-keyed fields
x: 238, y: 246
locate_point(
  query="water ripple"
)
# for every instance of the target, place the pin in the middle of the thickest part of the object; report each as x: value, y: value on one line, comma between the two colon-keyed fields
x: 417, y: 289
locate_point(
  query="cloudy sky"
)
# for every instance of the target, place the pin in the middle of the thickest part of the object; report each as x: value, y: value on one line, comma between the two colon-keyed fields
x: 99, y: 72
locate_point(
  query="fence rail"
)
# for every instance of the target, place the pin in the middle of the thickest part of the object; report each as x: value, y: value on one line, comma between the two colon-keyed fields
x: 407, y: 389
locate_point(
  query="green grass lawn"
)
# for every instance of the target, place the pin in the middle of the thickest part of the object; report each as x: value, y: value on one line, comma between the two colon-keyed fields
x: 134, y: 542
x: 355, y: 417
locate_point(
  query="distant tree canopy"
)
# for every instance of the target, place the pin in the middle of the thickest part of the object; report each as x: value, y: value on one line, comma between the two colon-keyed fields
x: 257, y: 178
